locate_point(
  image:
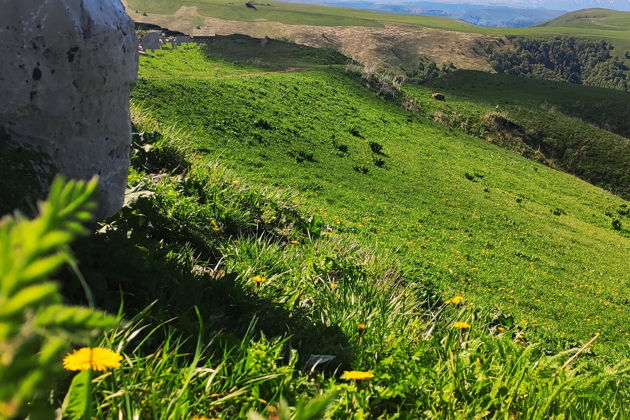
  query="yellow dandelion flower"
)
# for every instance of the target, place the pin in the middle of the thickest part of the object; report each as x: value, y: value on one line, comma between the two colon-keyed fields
x: 235, y: 182
x: 334, y: 286
x: 294, y: 242
x: 96, y: 358
x: 203, y: 418
x: 259, y: 279
x: 216, y: 229
x: 461, y: 325
x: 501, y: 329
x: 456, y: 300
x: 356, y: 375
x: 361, y: 327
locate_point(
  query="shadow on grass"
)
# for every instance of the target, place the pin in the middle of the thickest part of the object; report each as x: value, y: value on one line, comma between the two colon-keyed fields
x: 268, y: 53
x: 141, y: 270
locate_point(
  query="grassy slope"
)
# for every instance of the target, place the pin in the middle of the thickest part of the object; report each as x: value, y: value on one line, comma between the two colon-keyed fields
x: 494, y: 238
x: 276, y: 54
x: 192, y: 242
x: 559, y: 116
x: 592, y: 19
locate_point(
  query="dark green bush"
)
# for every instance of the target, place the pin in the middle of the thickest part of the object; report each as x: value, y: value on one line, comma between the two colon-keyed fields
x: 356, y: 133
x: 302, y: 156
x: 376, y: 147
x: 362, y: 169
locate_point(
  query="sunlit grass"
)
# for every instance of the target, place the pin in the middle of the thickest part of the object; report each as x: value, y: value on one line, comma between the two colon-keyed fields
x: 495, y: 238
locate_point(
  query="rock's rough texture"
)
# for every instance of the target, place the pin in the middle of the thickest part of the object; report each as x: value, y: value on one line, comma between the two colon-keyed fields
x: 66, y: 71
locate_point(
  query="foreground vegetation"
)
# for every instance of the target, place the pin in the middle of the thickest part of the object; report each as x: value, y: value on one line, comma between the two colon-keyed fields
x: 257, y: 303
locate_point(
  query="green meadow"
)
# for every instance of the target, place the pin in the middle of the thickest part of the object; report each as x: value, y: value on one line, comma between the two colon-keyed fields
x: 567, y: 126
x: 460, y: 214
x: 293, y: 246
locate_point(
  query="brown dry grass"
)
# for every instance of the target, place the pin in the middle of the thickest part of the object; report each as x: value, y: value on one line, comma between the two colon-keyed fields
x: 394, y: 46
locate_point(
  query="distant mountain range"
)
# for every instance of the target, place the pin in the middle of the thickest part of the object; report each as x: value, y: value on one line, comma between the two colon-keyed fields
x: 569, y: 5
x: 489, y: 13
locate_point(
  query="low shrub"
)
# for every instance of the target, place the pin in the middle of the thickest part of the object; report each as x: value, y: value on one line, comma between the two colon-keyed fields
x: 302, y: 156
x: 376, y: 147
x: 362, y: 169
x: 343, y: 148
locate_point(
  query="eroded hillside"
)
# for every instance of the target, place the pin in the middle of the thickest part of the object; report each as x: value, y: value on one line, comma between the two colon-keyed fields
x: 399, y: 47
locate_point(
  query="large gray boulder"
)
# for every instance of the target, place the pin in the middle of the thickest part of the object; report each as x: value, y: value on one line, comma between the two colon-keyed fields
x: 67, y: 68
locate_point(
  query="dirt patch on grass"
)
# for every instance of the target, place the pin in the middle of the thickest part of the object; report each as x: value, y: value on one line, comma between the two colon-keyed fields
x: 397, y: 47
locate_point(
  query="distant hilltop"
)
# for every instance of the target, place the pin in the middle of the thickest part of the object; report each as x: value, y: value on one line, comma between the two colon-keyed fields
x: 484, y: 13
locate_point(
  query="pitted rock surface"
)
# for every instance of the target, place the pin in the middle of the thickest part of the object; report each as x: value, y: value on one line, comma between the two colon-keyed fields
x: 67, y: 68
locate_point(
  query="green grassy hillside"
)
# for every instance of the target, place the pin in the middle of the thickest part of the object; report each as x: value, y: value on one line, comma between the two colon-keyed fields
x: 593, y: 19
x: 606, y: 24
x: 402, y: 43
x: 293, y: 13
x: 570, y: 127
x: 460, y: 213
x: 318, y: 15
x: 293, y: 245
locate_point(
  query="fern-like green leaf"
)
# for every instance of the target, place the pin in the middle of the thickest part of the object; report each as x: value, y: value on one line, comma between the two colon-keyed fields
x: 41, y: 268
x: 35, y: 329
x: 73, y: 318
x: 78, y: 402
x: 29, y: 297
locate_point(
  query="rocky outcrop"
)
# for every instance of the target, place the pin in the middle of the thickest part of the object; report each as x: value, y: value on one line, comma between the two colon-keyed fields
x: 66, y: 71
